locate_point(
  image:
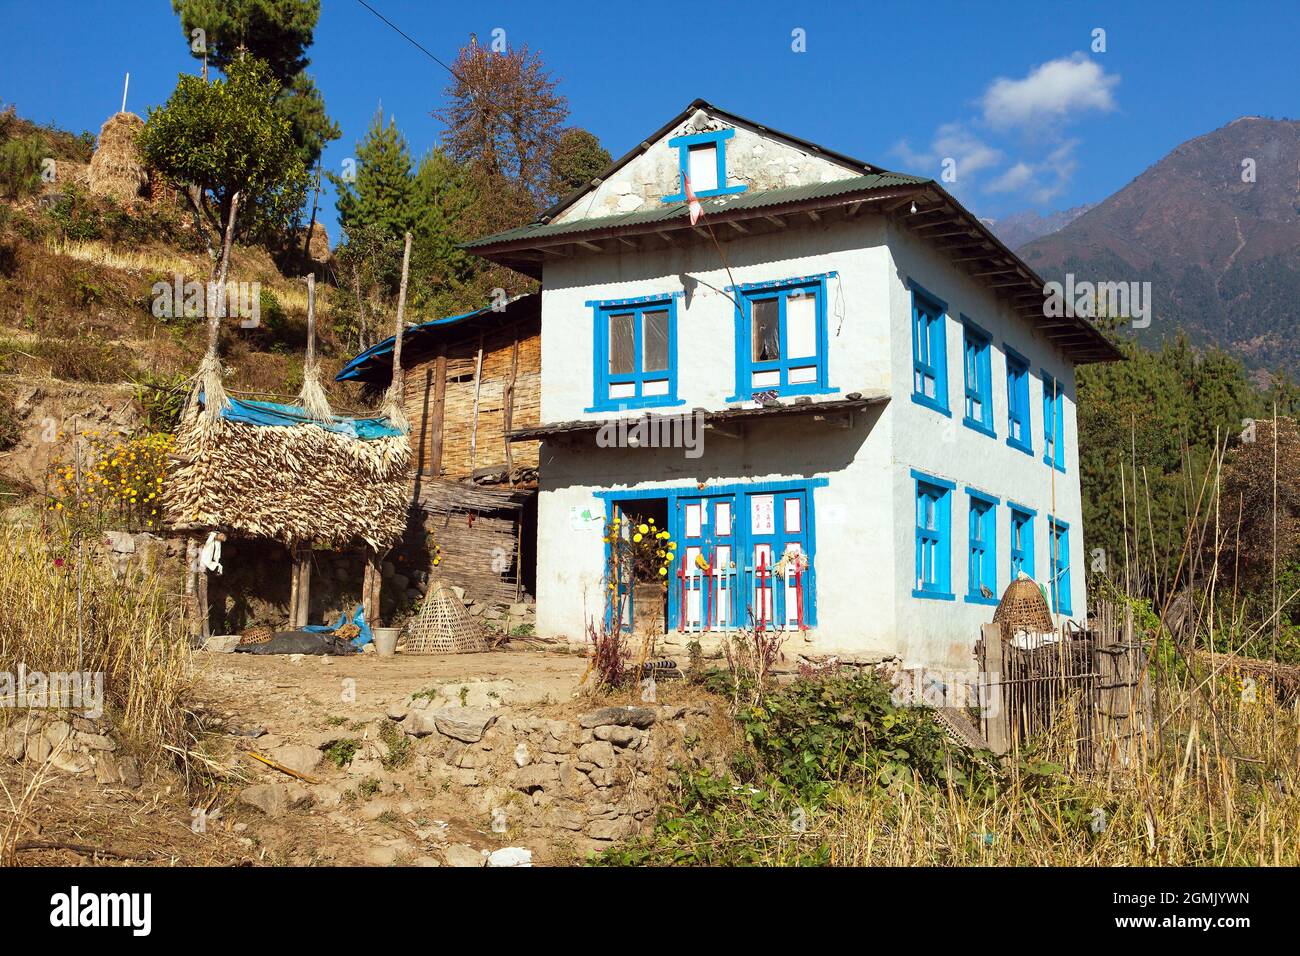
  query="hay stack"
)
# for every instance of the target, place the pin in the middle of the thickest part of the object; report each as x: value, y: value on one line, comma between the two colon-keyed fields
x: 318, y: 244
x: 293, y: 484
x: 116, y: 169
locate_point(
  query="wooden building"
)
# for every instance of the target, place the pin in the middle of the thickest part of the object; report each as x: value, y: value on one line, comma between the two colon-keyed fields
x: 470, y: 380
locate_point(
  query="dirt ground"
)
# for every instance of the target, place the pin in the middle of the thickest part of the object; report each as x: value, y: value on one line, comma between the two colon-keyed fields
x: 406, y: 815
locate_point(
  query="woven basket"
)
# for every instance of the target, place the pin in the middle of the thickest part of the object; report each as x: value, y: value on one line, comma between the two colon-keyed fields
x: 443, y: 626
x: 257, y: 634
x: 1023, y: 608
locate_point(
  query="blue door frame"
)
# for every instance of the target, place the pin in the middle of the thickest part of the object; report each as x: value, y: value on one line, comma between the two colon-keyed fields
x: 744, y: 542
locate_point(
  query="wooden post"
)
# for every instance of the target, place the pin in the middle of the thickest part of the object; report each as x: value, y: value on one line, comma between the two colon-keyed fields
x: 371, y: 588
x: 191, y: 588
x: 311, y: 320
x: 478, y: 387
x: 436, y: 413
x: 401, y: 323
x: 508, y: 413
x: 293, y: 587
x: 302, y: 588
x: 993, y: 692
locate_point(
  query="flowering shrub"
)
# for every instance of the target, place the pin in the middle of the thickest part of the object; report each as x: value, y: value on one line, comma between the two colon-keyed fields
x: 120, y: 484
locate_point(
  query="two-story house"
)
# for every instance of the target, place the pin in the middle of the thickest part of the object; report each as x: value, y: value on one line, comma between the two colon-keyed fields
x: 888, y: 419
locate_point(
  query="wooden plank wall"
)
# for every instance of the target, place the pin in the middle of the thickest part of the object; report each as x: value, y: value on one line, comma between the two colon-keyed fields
x: 511, y: 357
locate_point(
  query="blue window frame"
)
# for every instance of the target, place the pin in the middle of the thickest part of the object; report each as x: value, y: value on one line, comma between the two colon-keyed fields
x: 1053, y: 423
x: 976, y: 346
x: 1019, y: 429
x: 1021, y: 540
x: 1059, y: 539
x: 982, y: 571
x: 933, y: 537
x: 781, y: 338
x: 929, y: 350
x: 635, y: 353
x: 703, y: 157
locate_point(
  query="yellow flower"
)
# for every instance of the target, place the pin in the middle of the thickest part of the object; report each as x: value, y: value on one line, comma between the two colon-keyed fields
x: 636, y: 537
x: 652, y: 520
x: 663, y: 572
x: 644, y: 529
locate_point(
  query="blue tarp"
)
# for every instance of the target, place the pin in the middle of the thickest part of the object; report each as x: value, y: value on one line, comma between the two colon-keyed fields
x: 358, y: 618
x: 269, y: 413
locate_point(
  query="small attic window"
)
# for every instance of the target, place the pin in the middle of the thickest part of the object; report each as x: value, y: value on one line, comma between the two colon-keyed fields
x: 703, y: 157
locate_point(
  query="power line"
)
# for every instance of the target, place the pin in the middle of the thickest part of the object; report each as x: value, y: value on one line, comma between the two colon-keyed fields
x: 410, y: 39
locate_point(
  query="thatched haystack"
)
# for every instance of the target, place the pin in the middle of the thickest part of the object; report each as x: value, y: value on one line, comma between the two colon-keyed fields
x: 116, y: 168
x: 296, y: 483
x: 318, y: 244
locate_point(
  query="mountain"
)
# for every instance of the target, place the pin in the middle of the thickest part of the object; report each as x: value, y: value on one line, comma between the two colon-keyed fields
x: 1023, y: 227
x: 1222, y: 252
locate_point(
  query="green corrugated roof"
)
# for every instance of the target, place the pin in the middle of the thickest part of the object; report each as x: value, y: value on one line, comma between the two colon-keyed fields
x: 745, y: 200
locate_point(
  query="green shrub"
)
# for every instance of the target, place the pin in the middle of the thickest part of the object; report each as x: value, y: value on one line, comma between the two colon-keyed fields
x: 341, y: 752
x: 20, y: 165
x: 8, y: 422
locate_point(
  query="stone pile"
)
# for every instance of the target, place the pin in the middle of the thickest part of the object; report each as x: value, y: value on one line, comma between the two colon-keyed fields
x: 70, y: 743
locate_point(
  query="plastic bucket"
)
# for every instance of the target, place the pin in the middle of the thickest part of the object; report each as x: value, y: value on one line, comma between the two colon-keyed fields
x: 386, y: 640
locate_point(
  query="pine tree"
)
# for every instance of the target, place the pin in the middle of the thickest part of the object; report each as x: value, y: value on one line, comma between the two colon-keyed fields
x: 382, y: 195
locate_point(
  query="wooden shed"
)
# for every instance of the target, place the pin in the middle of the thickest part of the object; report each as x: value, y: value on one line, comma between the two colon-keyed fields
x: 471, y: 379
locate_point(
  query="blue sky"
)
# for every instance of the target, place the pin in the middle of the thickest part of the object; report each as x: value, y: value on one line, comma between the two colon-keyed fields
x: 1012, y: 92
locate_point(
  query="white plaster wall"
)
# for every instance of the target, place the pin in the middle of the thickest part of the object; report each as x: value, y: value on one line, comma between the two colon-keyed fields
x: 857, y: 319
x: 755, y: 159
x: 942, y: 633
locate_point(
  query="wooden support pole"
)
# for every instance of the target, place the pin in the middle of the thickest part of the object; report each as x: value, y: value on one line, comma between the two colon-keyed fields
x: 293, y: 588
x: 993, y: 696
x: 371, y: 588
x: 191, y: 603
x: 508, y: 412
x: 436, y: 413
x: 401, y: 323
x: 302, y: 575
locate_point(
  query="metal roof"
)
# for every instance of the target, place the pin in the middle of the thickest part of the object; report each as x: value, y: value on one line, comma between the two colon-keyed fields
x: 734, y: 202
x: 375, y: 364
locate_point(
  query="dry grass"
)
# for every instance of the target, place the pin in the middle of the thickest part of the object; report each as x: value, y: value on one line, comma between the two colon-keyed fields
x: 138, y: 260
x: 129, y: 630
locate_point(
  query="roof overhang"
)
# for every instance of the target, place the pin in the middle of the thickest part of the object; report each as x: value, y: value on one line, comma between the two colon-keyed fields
x: 836, y: 410
x: 939, y: 221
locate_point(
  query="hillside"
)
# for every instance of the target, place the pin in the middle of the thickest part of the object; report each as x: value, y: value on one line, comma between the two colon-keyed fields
x: 1222, y: 254
x: 79, y: 337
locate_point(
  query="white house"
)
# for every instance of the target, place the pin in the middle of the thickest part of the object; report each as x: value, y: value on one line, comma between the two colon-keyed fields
x: 879, y: 389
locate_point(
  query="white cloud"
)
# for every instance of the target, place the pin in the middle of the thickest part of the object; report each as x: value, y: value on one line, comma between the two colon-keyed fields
x: 1058, y: 89
x: 952, y: 141
x: 1014, y: 179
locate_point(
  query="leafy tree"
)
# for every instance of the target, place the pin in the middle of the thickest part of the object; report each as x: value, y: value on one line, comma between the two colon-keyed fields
x: 278, y: 32
x: 444, y: 199
x: 578, y: 158
x: 224, y: 138
x: 366, y: 261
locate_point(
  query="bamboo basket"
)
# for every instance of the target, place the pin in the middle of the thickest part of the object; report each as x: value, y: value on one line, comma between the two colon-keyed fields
x: 443, y: 626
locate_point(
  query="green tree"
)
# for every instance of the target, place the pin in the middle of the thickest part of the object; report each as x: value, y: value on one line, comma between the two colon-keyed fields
x: 578, y: 158
x: 278, y: 32
x: 380, y: 196
x: 225, y: 138
x: 443, y: 197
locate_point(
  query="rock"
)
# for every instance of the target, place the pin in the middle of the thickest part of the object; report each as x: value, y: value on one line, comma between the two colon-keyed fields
x: 376, y: 808
x: 463, y: 723
x: 398, y: 710
x: 537, y: 777
x: 57, y: 732
x: 420, y: 723
x: 562, y: 818
x: 362, y: 766
x: 221, y: 643
x: 381, y: 855
x: 93, y: 741
x: 618, y: 736
x: 462, y: 854
x: 510, y: 856
x: 71, y: 761
x: 38, y: 749
x: 640, y: 717
x: 274, y: 799
x: 611, y: 829
x: 600, y: 753
x: 120, y: 542
x: 521, y: 755
x: 520, y: 610
x: 299, y: 757
x: 128, y: 771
